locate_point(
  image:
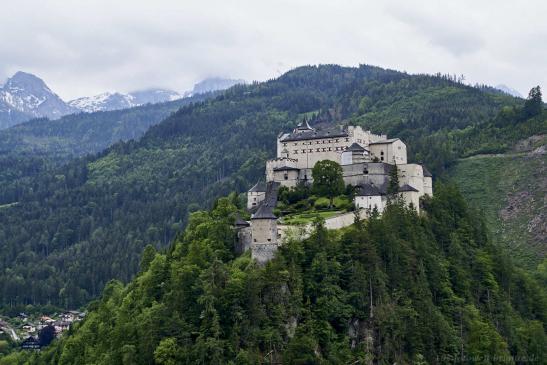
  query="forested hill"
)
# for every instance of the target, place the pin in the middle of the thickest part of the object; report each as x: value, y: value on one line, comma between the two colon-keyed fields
x: 400, y: 289
x: 65, y: 233
x: 86, y: 133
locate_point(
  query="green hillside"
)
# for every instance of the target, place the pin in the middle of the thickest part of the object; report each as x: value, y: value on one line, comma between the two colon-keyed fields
x: 510, y: 190
x: 65, y: 232
x: 84, y: 133
x: 398, y: 289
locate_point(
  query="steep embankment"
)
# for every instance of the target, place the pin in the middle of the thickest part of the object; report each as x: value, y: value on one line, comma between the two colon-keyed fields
x: 510, y: 190
x: 397, y: 289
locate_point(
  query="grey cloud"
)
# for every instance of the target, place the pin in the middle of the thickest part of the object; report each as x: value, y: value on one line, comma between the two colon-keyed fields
x: 82, y: 48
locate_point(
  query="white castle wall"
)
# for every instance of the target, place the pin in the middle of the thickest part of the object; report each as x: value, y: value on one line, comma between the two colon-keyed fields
x: 413, y: 175
x: 428, y: 185
x: 309, y: 152
x: 254, y: 197
x: 393, y: 152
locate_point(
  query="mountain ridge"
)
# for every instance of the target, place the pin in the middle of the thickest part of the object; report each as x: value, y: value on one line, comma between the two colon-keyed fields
x: 25, y: 96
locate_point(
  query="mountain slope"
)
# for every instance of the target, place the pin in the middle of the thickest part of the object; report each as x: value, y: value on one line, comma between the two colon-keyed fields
x: 400, y: 289
x: 510, y: 189
x: 114, y: 101
x: 90, y: 219
x: 28, y: 95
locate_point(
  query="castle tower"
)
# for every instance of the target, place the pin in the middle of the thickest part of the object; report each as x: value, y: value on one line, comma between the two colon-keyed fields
x: 264, y: 227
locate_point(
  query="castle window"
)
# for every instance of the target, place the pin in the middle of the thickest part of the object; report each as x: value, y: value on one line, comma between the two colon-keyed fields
x: 303, y: 151
x: 330, y: 149
x: 286, y: 176
x: 324, y: 149
x: 317, y: 150
x: 336, y: 139
x: 382, y: 158
x: 382, y: 153
x: 296, y: 152
x: 347, y: 139
x: 295, y: 143
x: 365, y: 171
x: 284, y: 144
x: 310, y: 150
x: 269, y: 240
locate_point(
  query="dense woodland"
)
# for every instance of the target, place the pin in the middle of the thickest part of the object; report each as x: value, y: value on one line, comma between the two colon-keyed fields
x: 66, y: 231
x: 400, y: 288
x: 39, y: 145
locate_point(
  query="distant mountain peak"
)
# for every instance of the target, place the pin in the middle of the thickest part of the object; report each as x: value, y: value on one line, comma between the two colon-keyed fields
x: 509, y: 90
x: 115, y: 100
x: 213, y: 84
x: 27, y: 94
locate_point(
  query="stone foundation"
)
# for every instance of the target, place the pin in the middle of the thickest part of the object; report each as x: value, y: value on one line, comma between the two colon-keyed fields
x: 263, y: 252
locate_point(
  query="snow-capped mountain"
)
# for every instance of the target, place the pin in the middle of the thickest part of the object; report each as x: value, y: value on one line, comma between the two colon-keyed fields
x: 25, y: 95
x: 114, y: 101
x: 213, y: 84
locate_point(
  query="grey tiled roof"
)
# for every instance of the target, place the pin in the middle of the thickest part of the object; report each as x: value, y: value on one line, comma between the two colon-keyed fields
x: 356, y: 147
x: 265, y: 210
x: 259, y: 187
x: 426, y: 172
x: 407, y: 187
x: 286, y: 168
x: 385, y: 141
x: 371, y: 190
x: 240, y: 222
x: 315, y: 134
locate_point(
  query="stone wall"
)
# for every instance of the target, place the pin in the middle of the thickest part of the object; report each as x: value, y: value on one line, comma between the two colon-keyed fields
x: 263, y: 252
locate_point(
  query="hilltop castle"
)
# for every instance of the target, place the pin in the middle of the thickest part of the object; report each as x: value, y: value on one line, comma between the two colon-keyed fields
x: 367, y: 160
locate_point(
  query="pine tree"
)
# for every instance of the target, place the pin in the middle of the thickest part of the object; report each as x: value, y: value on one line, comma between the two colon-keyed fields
x: 534, y: 104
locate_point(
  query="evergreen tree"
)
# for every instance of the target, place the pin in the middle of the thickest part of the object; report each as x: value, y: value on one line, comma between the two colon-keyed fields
x: 534, y: 104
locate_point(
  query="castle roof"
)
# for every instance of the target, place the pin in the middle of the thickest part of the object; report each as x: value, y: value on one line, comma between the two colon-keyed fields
x: 302, y: 135
x: 303, y: 126
x: 265, y: 210
x: 369, y: 190
x: 426, y: 172
x: 385, y: 141
x: 259, y: 187
x: 356, y: 147
x: 286, y: 168
x: 239, y: 222
x: 406, y: 188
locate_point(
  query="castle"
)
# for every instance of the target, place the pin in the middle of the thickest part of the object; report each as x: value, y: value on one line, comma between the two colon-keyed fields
x: 367, y: 161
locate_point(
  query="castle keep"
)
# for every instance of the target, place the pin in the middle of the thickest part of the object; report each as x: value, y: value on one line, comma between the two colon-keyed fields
x: 367, y: 161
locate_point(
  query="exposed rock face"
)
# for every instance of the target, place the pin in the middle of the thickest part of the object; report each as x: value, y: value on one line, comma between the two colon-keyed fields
x: 25, y: 96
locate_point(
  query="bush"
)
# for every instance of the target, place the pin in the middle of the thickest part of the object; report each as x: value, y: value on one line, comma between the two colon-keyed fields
x: 322, y: 203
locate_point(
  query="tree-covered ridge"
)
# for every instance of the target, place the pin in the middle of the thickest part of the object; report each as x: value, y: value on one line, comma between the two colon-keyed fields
x: 65, y: 232
x: 400, y: 288
x: 87, y: 133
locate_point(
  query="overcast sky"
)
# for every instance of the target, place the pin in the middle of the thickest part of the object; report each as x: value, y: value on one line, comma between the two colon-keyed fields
x: 87, y: 47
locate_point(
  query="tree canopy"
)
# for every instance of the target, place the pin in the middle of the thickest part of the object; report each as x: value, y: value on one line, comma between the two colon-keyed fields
x: 328, y: 179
